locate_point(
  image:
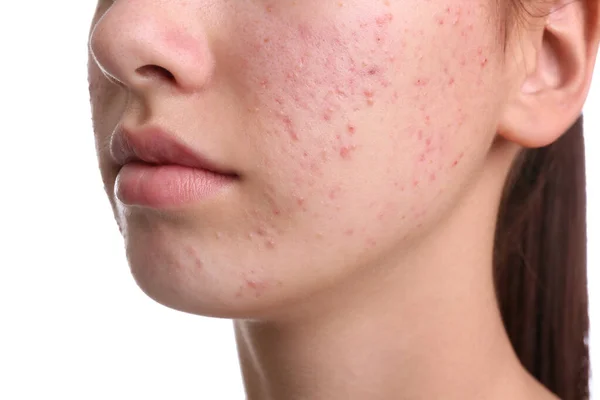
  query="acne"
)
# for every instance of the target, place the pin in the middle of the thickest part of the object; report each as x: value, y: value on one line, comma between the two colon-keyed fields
x: 192, y: 256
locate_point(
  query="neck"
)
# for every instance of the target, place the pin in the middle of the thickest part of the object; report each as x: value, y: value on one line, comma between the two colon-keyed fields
x: 426, y: 326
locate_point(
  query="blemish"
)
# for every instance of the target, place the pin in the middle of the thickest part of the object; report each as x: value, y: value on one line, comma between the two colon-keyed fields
x: 351, y: 129
x: 384, y: 19
x: 257, y: 286
x: 346, y: 150
x: 349, y: 232
x: 455, y: 162
x: 369, y: 96
x: 334, y: 192
x: 373, y: 70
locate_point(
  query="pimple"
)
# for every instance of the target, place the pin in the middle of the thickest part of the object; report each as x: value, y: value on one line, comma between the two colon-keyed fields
x: 384, y: 20
x: 335, y: 192
x: 346, y: 150
x: 351, y: 130
x: 349, y: 232
x: 457, y: 160
x: 257, y: 286
x: 373, y: 70
x: 369, y: 96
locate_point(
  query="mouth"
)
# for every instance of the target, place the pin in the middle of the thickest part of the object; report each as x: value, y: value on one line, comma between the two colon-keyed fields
x: 157, y: 170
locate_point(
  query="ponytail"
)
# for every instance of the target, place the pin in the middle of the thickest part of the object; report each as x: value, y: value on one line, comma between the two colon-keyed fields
x: 540, y: 264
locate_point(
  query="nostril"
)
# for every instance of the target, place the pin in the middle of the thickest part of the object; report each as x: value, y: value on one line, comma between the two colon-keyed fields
x: 154, y: 71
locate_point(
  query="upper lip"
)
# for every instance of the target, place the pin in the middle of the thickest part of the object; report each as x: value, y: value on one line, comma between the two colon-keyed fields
x: 154, y: 145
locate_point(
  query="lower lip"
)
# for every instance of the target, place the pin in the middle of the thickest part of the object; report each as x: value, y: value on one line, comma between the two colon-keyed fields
x: 166, y: 186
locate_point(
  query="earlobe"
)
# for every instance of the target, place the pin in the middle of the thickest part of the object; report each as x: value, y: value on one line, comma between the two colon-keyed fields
x: 550, y: 96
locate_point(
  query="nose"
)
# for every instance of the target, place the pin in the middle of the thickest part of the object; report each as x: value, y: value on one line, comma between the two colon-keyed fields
x: 143, y: 45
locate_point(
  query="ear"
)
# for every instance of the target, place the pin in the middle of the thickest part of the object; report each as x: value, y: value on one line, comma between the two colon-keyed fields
x: 557, y: 55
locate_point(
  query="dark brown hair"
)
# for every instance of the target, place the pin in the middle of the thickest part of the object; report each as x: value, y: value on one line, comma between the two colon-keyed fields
x: 540, y: 264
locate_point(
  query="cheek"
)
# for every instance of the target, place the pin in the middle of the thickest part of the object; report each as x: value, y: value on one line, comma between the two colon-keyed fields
x: 308, y: 85
x: 367, y: 117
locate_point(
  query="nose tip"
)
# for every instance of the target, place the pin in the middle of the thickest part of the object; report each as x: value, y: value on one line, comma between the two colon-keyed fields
x: 142, y: 48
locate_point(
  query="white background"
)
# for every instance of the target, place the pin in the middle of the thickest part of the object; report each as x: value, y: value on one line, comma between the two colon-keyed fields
x: 73, y: 324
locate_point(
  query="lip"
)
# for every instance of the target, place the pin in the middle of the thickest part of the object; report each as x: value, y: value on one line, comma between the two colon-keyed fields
x: 158, y: 170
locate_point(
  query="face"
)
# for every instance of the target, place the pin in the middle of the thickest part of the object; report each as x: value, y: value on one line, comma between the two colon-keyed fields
x: 352, y: 128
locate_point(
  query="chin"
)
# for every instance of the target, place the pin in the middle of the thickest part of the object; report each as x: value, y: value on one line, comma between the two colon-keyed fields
x: 176, y: 278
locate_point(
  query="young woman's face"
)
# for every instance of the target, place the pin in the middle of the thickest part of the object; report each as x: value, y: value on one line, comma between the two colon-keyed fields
x: 353, y: 126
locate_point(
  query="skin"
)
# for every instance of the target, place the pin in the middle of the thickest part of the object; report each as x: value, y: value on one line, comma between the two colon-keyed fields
x: 371, y: 139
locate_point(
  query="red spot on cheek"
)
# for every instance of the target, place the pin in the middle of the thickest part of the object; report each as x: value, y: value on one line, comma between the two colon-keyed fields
x: 345, y: 151
x: 384, y: 19
x: 455, y: 162
x: 349, y: 232
x: 371, y: 242
x: 369, y: 96
x: 257, y: 286
x: 351, y: 129
x: 334, y: 193
x: 373, y: 70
